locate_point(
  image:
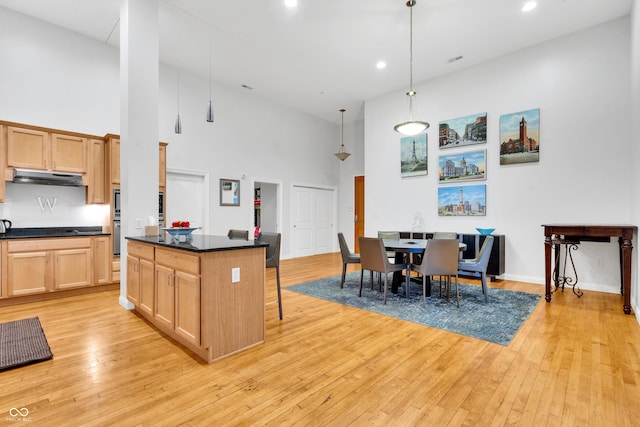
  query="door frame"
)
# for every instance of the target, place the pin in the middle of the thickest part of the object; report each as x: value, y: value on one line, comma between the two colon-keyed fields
x: 278, y: 184
x: 206, y: 193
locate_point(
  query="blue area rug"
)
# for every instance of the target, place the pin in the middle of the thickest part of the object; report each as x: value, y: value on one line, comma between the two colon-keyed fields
x: 496, y: 321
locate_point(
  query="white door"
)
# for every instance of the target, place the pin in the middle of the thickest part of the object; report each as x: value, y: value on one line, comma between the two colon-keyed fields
x: 313, y: 218
x: 187, y: 198
x: 303, y: 205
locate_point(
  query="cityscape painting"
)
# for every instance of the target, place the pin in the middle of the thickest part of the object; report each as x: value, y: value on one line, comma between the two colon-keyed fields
x: 463, y: 131
x: 413, y: 155
x: 463, y: 166
x: 468, y: 200
x: 520, y: 137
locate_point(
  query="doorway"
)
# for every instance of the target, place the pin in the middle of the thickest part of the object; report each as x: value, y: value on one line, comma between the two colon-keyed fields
x: 187, y: 198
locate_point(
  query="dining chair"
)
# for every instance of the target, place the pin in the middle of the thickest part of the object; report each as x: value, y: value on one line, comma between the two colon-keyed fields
x: 373, y: 257
x: 479, y: 263
x: 348, y: 257
x: 238, y: 234
x: 391, y: 235
x: 444, y: 235
x: 273, y: 258
x: 440, y: 259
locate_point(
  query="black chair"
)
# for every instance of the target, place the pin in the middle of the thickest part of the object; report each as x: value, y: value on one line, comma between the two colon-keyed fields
x: 273, y: 258
x: 348, y: 257
x: 238, y: 234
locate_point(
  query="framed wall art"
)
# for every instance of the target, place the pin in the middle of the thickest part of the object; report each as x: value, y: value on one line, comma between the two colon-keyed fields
x: 413, y: 155
x: 458, y: 200
x: 520, y: 137
x: 468, y: 130
x: 468, y: 166
x: 229, y: 192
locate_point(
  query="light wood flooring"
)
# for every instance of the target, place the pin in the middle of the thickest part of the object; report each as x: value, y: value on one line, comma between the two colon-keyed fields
x: 575, y: 362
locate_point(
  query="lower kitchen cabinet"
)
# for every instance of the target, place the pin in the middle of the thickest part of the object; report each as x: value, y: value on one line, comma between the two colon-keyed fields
x: 40, y: 266
x: 140, y: 277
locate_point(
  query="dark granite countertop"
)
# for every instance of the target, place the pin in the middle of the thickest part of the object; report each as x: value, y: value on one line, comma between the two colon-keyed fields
x: 44, y: 232
x: 200, y: 243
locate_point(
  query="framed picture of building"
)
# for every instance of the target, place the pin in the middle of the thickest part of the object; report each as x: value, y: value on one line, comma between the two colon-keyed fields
x: 468, y: 130
x: 520, y: 137
x: 458, y: 200
x: 413, y: 155
x: 468, y: 166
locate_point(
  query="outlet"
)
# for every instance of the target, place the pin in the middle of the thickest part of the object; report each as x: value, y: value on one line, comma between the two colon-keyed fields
x: 235, y: 275
x: 138, y: 223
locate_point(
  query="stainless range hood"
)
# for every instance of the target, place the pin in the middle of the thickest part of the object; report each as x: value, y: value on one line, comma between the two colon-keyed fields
x: 32, y: 176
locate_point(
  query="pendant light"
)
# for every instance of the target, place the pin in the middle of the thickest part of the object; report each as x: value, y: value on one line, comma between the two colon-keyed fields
x: 342, y: 154
x: 210, y: 105
x: 178, y: 126
x: 411, y: 127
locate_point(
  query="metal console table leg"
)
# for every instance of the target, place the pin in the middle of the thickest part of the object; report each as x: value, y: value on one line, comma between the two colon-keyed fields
x: 561, y: 280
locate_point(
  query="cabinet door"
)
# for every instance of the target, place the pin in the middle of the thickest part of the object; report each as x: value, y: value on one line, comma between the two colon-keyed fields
x: 68, y: 153
x: 101, y: 259
x: 162, y: 166
x: 133, y: 280
x: 28, y: 273
x: 147, y: 286
x: 164, y: 311
x: 114, y: 164
x: 72, y: 268
x: 97, y: 189
x: 27, y: 148
x: 187, y: 294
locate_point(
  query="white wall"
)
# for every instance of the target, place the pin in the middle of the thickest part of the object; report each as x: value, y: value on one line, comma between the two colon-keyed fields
x: 353, y: 166
x: 581, y: 85
x: 55, y: 78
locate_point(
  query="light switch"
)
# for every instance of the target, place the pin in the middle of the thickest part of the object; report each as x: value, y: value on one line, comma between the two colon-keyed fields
x: 235, y: 275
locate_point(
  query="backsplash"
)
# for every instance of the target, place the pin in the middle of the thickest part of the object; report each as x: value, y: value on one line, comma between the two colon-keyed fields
x: 32, y: 205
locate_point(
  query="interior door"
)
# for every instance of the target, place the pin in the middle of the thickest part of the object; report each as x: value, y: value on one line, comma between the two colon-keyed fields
x: 187, y: 199
x: 313, y: 219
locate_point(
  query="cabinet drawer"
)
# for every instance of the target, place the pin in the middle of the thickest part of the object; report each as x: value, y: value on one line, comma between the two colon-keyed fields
x: 140, y: 250
x: 178, y: 260
x: 28, y: 245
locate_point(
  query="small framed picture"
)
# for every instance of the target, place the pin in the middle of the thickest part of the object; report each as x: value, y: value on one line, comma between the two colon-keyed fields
x: 229, y: 192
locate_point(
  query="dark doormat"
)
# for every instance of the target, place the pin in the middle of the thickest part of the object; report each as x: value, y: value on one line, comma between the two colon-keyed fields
x: 22, y: 342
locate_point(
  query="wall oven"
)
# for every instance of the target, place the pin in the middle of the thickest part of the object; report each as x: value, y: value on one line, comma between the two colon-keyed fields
x: 161, y: 209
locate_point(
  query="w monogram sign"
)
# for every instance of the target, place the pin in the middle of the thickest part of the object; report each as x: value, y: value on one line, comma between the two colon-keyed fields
x: 47, y: 203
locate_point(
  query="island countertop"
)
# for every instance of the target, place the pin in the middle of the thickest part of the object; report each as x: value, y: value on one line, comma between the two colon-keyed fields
x: 200, y: 243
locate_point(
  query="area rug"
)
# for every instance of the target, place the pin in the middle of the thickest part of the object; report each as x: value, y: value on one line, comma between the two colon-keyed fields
x: 496, y: 321
x: 22, y: 342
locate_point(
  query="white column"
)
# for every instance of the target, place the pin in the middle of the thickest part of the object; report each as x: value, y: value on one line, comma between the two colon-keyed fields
x: 139, y: 87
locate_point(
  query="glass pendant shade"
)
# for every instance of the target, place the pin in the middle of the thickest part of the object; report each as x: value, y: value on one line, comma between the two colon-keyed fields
x: 178, y: 127
x: 210, y: 112
x: 342, y: 153
x: 411, y: 127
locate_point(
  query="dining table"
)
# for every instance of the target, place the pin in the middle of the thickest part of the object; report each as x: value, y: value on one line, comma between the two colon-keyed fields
x: 403, y: 248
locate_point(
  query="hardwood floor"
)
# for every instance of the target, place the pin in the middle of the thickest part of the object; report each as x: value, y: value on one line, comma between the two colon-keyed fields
x: 575, y: 362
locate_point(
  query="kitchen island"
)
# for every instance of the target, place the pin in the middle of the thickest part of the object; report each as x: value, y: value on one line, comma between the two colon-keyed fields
x: 207, y: 293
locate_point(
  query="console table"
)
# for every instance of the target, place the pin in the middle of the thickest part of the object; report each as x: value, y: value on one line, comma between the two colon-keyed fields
x: 592, y: 233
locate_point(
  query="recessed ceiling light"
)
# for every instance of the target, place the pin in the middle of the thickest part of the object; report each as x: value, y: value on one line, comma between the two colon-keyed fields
x: 528, y: 6
x: 381, y: 64
x: 291, y: 3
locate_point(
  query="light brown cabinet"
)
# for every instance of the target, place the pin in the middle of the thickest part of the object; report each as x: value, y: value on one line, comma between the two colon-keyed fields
x: 101, y: 257
x: 97, y: 188
x: 177, y: 286
x: 196, y: 301
x: 114, y: 160
x: 44, y: 265
x: 140, y: 277
x: 36, y: 149
x: 162, y: 166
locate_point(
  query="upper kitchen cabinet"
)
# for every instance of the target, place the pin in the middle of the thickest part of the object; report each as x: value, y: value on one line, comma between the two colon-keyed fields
x: 3, y: 160
x: 114, y: 162
x: 113, y: 143
x: 96, y: 187
x: 38, y: 149
x: 162, y: 167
